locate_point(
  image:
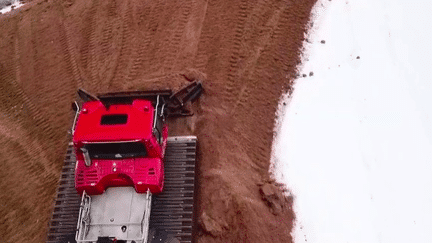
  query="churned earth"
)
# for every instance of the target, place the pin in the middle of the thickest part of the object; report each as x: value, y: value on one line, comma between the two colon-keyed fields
x: 245, y: 52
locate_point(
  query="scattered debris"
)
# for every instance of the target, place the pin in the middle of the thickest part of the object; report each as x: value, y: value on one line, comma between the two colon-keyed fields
x: 272, y: 196
x: 68, y: 3
x: 209, y: 225
x: 304, y: 75
x: 311, y: 74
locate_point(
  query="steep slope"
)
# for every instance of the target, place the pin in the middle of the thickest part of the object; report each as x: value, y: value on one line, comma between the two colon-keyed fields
x: 245, y: 52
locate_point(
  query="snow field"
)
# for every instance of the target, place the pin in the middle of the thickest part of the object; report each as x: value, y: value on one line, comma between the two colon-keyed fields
x: 354, y: 144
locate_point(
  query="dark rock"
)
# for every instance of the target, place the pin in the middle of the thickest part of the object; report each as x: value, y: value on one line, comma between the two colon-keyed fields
x: 322, y: 41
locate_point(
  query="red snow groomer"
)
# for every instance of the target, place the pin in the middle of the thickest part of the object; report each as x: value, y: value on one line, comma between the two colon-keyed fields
x: 136, y: 184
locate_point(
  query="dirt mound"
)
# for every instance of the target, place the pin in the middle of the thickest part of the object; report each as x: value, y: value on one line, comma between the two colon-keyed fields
x: 245, y: 52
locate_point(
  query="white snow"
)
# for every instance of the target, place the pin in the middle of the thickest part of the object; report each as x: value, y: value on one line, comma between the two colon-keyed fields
x: 15, y: 4
x: 354, y: 143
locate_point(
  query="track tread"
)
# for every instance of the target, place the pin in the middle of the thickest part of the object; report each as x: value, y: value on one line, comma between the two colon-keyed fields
x: 173, y: 209
x: 64, y: 217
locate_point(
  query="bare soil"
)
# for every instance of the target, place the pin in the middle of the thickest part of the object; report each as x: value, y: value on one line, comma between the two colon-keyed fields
x: 245, y: 52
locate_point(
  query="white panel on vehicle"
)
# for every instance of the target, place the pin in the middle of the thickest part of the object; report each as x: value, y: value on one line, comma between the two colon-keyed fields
x: 119, y: 212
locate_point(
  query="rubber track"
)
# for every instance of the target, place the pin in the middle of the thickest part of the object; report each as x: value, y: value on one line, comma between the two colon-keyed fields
x: 173, y: 209
x: 64, y: 218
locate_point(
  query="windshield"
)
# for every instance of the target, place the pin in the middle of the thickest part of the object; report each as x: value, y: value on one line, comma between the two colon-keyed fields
x: 116, y: 150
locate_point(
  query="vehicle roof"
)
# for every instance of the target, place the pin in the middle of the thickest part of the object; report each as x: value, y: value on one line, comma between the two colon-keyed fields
x: 138, y: 125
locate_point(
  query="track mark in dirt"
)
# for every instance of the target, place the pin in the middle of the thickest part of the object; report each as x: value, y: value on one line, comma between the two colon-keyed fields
x: 47, y: 83
x: 112, y: 42
x: 264, y: 26
x: 170, y: 28
x: 136, y: 62
x: 142, y: 41
x: 273, y: 66
x: 242, y: 98
x: 277, y: 51
x: 201, y: 59
x: 280, y: 51
x: 108, y: 29
x: 174, y: 48
x: 147, y: 52
x: 111, y: 35
x: 8, y: 100
x: 70, y: 54
x: 26, y: 174
x: 88, y: 49
x: 37, y: 164
x: 39, y: 122
x: 233, y: 76
x: 128, y: 48
x: 131, y: 48
x: 20, y: 117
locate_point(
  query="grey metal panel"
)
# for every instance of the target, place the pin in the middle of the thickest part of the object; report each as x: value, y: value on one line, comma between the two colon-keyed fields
x: 117, y: 207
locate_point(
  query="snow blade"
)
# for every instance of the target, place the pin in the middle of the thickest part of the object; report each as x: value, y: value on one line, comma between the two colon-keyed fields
x: 86, y: 96
x: 174, y: 103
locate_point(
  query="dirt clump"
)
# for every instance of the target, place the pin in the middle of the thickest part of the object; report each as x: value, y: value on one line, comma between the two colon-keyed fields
x: 245, y: 52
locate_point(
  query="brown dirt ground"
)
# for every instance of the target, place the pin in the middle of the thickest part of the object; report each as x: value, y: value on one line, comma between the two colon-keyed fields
x: 246, y: 53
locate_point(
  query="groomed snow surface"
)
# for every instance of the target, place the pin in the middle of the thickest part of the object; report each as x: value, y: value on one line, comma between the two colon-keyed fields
x: 354, y: 144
